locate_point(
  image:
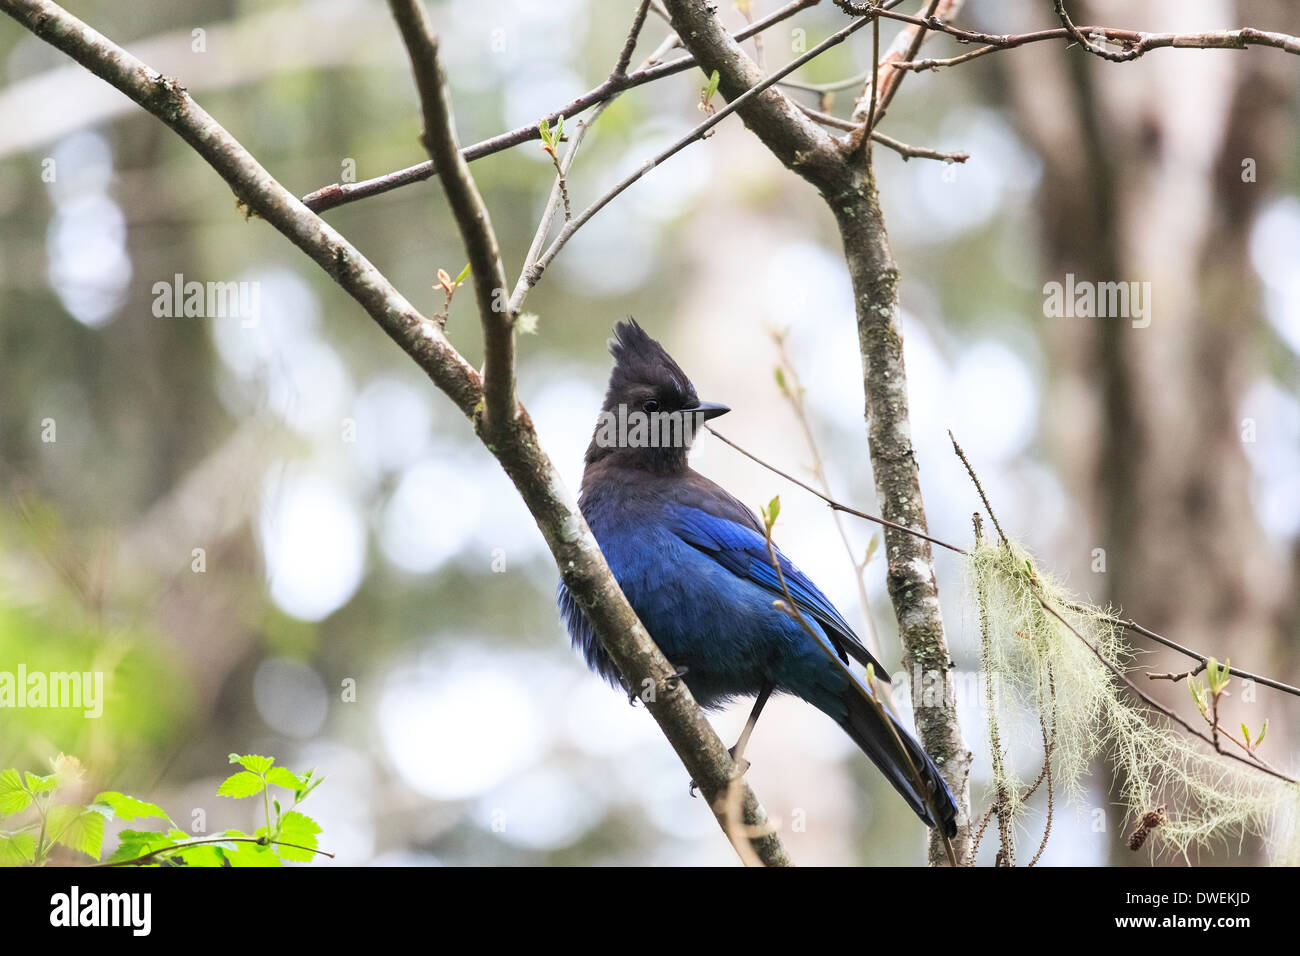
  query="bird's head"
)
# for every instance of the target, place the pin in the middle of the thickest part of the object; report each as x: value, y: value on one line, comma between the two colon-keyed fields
x: 651, y: 412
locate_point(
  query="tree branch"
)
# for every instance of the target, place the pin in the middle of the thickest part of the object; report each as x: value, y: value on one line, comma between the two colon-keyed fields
x: 1136, y: 43
x: 534, y: 273
x: 470, y: 213
x: 339, y: 194
x: 515, y: 445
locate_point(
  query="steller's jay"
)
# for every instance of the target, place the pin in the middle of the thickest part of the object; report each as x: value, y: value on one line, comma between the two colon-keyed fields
x: 693, y: 562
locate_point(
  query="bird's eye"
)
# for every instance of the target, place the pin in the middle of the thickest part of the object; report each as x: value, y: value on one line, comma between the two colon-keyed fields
x: 651, y: 406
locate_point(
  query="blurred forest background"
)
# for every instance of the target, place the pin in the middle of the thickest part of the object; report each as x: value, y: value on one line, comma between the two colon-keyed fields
x: 353, y: 529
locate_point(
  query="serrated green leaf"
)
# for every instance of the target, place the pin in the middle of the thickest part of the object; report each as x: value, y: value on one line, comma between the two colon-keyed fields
x: 300, y: 829
x: 129, y: 808
x: 76, y: 827
x: 284, y: 777
x: 38, y: 784
x: 205, y: 854
x: 14, y: 797
x: 17, y: 849
x: 256, y: 763
x: 240, y: 785
x: 250, y: 854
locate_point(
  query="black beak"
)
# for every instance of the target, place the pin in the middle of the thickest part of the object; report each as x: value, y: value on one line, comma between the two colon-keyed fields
x: 707, y: 410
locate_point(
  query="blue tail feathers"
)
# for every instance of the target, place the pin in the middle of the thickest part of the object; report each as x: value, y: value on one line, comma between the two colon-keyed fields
x: 867, y: 726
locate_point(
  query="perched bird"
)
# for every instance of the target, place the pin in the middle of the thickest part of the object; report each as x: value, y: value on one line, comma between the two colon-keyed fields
x: 694, y: 564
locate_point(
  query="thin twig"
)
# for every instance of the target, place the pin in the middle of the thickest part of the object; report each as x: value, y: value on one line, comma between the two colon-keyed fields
x: 903, y: 149
x: 544, y: 260
x: 1045, y: 775
x: 1155, y: 704
x: 848, y: 83
x: 1002, y: 798
x: 1201, y: 659
x: 559, y: 191
x: 978, y: 487
x: 139, y: 860
x: 830, y: 501
x: 792, y: 388
x: 1137, y: 43
x: 629, y: 45
x: 340, y: 194
x: 916, y: 152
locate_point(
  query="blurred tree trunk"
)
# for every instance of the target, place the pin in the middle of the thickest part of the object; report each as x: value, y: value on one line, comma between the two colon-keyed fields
x: 1143, y: 181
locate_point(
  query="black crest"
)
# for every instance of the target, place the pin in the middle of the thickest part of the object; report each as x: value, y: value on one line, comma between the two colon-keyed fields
x: 642, y: 366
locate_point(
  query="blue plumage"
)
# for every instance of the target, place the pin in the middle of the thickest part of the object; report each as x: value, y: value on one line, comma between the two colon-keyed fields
x: 693, y: 562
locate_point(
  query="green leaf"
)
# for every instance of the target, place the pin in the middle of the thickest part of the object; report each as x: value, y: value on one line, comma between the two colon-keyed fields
x: 17, y: 849
x: 300, y: 829
x: 240, y: 785
x: 136, y: 843
x: 1262, y: 731
x: 250, y: 854
x: 253, y: 762
x: 14, y: 797
x: 46, y: 784
x: 1218, y: 675
x: 206, y: 854
x: 1245, y: 733
x: 711, y: 87
x: 464, y: 274
x: 129, y: 808
x: 1198, y: 695
x: 771, y: 511
x: 76, y: 827
x: 284, y: 777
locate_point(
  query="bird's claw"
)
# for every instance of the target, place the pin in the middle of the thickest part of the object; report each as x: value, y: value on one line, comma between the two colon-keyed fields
x: 645, y: 695
x: 742, y: 767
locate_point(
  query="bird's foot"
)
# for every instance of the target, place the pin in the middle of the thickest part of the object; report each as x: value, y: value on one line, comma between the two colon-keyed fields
x: 742, y: 767
x: 647, y: 693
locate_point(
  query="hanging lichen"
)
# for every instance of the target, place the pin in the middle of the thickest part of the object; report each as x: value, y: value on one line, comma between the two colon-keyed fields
x: 1037, y: 663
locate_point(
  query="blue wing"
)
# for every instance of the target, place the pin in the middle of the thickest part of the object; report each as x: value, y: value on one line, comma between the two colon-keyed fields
x: 742, y: 550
